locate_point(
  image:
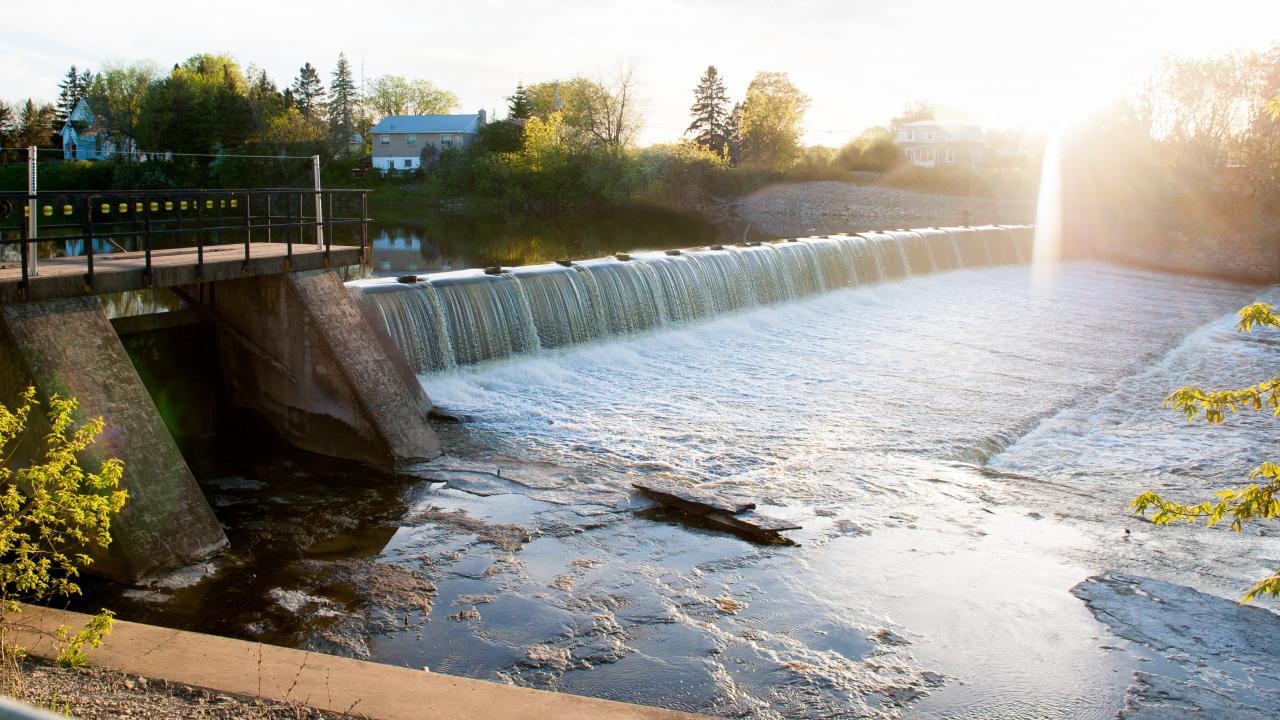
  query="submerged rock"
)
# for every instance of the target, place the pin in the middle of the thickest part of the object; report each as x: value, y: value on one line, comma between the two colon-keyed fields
x: 1218, y: 658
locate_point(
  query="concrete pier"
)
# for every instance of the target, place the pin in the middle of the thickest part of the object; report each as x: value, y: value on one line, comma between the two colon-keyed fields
x: 297, y: 349
x: 68, y: 347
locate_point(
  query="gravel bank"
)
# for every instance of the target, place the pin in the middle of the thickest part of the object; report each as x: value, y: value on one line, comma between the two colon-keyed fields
x: 798, y: 209
x: 100, y: 694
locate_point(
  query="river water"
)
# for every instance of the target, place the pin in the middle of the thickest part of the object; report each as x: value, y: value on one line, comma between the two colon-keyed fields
x: 959, y: 449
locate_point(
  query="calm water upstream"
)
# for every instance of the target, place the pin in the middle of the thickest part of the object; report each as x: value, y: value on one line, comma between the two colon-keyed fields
x: 450, y: 241
x: 959, y: 449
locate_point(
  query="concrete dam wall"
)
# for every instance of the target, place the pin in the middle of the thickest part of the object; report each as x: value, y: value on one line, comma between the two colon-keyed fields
x: 443, y: 320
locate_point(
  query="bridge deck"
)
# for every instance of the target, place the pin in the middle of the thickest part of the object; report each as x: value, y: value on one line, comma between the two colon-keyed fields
x: 117, y: 272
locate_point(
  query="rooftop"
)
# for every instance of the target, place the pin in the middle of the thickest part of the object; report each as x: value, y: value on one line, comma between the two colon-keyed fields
x: 428, y: 124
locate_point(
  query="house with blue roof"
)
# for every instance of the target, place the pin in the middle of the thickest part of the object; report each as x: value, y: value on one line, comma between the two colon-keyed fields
x: 398, y: 140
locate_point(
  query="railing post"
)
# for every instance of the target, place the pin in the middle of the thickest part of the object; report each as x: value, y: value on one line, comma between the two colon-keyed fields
x: 270, y: 197
x: 328, y: 235
x: 146, y: 240
x: 32, y: 202
x: 22, y: 251
x: 88, y: 240
x: 364, y: 227
x: 248, y: 225
x: 315, y: 172
x: 199, y: 238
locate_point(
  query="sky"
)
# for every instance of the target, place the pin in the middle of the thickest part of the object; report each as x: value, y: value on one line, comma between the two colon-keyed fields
x: 1001, y: 63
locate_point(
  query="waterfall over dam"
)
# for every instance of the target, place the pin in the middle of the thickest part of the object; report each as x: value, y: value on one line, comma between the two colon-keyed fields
x: 443, y: 320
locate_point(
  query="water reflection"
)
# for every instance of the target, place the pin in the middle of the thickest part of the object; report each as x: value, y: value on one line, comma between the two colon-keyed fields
x: 449, y: 241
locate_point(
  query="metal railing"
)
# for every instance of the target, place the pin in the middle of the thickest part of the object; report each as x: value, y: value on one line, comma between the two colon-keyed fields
x: 91, y: 223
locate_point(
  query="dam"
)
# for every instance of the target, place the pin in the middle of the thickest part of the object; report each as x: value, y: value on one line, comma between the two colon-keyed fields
x: 957, y: 441
x: 444, y: 320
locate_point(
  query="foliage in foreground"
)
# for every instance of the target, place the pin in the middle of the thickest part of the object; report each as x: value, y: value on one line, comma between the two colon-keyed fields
x: 52, y: 514
x: 1257, y: 501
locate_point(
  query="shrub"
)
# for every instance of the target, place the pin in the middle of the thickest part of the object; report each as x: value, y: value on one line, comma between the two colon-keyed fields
x: 52, y: 514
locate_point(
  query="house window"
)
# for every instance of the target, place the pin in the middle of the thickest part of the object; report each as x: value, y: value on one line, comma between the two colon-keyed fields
x: 446, y: 141
x: 928, y: 135
x: 911, y: 133
x: 408, y: 163
x: 384, y: 139
x: 411, y: 140
x: 951, y: 155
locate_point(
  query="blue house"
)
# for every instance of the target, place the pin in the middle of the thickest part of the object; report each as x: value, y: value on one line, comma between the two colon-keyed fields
x: 84, y: 138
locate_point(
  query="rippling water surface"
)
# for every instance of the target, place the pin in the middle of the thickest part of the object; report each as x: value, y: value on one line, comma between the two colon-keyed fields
x: 959, y: 449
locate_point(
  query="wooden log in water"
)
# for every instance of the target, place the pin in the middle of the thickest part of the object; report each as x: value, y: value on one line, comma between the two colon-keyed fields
x: 726, y: 512
x: 690, y: 498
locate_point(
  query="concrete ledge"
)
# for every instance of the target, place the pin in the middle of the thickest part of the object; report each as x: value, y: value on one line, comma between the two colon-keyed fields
x: 321, y: 681
x: 117, y: 272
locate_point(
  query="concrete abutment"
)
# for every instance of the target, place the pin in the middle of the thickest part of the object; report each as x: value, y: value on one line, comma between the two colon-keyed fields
x: 294, y: 348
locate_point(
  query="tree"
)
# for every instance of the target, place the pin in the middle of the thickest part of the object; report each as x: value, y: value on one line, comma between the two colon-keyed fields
x: 733, y: 133
x: 264, y: 99
x: 53, y: 513
x: 611, y: 110
x: 118, y: 93
x: 394, y: 95
x: 74, y: 86
x: 7, y: 120
x: 914, y: 111
x: 601, y: 113
x: 710, y: 111
x: 342, y: 102
x: 291, y: 127
x: 35, y: 125
x: 201, y: 105
x: 519, y: 107
x: 874, y: 150
x: 308, y: 93
x: 1255, y: 502
x: 772, y: 118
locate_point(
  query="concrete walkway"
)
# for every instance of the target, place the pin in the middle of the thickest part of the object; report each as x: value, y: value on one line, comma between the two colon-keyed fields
x: 326, y: 682
x: 119, y: 271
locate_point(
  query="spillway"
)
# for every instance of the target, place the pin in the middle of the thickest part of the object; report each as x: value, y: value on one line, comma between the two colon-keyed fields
x: 448, y: 319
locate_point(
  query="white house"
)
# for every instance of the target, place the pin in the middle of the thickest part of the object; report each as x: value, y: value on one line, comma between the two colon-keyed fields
x: 929, y: 143
x: 83, y: 138
x: 398, y: 140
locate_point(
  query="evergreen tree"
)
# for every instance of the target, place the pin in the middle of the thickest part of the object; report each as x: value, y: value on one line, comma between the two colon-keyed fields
x: 7, y: 129
x: 710, y: 112
x: 733, y: 133
x: 6, y: 122
x: 35, y: 125
x: 519, y: 106
x: 73, y: 87
x: 342, y: 101
x: 308, y: 93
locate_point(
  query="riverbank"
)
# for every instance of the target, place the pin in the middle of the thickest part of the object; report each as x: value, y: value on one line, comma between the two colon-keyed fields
x: 826, y: 207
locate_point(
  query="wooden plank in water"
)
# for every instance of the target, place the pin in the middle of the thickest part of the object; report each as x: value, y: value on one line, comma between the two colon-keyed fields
x: 720, y: 511
x: 689, y: 498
